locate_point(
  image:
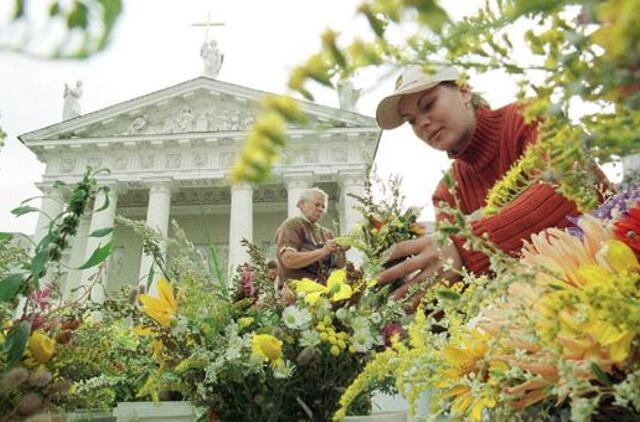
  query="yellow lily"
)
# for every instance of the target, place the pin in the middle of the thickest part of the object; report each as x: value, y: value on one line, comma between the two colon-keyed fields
x: 336, y: 286
x: 162, y: 308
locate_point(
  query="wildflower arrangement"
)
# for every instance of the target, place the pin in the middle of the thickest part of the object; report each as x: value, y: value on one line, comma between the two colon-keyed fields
x: 555, y: 332
x: 384, y: 223
x: 246, y: 353
x: 45, y: 341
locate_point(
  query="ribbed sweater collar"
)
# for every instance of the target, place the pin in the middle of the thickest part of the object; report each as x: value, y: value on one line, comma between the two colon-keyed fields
x: 484, y: 144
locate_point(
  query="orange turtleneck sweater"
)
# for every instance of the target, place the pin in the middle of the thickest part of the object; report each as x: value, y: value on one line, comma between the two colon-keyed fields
x: 500, y: 138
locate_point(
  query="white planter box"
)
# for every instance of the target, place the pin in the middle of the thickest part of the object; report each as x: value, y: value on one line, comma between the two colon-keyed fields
x: 174, y: 411
x: 90, y: 416
x: 400, y: 416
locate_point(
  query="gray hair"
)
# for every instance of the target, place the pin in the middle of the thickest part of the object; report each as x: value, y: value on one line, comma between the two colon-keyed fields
x: 307, y: 195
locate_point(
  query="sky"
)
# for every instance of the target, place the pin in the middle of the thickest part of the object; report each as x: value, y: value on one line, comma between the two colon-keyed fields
x: 155, y: 46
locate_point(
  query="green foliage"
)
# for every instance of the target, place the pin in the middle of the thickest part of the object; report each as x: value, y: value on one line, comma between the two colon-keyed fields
x: 72, y: 29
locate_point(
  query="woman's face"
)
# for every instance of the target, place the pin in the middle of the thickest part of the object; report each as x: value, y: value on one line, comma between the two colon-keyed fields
x: 314, y: 210
x: 441, y: 116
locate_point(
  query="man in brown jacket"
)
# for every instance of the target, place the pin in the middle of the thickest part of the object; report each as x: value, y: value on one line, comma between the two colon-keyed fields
x: 305, y: 248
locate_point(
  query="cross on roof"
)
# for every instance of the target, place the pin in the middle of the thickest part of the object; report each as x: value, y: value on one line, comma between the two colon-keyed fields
x: 207, y: 25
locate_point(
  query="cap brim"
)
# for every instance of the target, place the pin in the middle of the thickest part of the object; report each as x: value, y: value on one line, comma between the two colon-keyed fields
x: 387, y: 113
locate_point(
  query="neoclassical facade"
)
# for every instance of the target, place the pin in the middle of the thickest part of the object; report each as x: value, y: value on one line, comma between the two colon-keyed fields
x: 169, y: 153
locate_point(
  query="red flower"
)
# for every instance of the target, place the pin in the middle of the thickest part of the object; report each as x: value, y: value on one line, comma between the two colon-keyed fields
x: 376, y: 221
x: 627, y: 228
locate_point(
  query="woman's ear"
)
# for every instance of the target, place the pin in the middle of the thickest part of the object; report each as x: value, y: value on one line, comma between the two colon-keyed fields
x: 465, y: 90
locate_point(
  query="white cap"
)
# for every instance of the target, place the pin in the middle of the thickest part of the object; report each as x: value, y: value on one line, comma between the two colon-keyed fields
x: 412, y: 80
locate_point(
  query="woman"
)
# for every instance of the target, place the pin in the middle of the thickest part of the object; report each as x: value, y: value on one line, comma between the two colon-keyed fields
x: 305, y: 248
x: 484, y: 144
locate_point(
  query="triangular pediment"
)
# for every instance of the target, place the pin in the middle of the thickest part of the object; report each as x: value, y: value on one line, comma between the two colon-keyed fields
x: 195, y: 106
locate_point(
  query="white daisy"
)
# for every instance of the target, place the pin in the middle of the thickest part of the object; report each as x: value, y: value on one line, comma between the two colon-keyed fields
x: 295, y: 318
x: 309, y: 338
x: 362, y: 341
x: 282, y: 369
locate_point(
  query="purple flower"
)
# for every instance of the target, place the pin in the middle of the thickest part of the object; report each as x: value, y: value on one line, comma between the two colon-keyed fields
x: 616, y: 206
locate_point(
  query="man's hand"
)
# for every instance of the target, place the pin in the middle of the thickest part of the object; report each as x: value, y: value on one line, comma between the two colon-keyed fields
x: 423, y: 259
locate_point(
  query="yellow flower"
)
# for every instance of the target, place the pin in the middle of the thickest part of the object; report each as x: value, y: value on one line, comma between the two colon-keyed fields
x: 464, y: 361
x: 162, y: 308
x: 142, y: 331
x: 158, y: 348
x: 244, y: 322
x: 336, y: 286
x: 335, y: 350
x: 617, y: 257
x: 41, y: 347
x: 267, y: 347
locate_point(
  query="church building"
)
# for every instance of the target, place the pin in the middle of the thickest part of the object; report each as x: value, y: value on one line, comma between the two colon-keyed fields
x: 169, y: 153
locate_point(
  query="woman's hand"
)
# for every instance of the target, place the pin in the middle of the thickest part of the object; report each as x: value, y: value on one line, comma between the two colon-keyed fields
x: 330, y: 247
x: 423, y: 259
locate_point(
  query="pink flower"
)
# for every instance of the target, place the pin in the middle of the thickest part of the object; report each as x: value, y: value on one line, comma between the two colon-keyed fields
x: 41, y: 298
x: 247, y: 286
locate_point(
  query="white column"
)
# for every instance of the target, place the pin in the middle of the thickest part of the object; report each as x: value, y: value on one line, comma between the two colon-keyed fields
x: 240, y: 224
x: 157, y: 218
x: 296, y: 184
x: 630, y: 164
x: 52, y: 205
x: 77, y: 258
x: 99, y: 220
x: 351, y: 183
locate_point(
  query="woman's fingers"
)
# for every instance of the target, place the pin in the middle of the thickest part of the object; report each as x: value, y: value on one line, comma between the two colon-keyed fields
x: 405, y: 248
x: 406, y: 267
x: 431, y: 269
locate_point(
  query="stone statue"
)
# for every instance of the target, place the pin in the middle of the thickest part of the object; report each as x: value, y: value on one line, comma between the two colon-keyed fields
x: 347, y: 95
x: 71, y: 106
x: 186, y: 120
x: 212, y: 58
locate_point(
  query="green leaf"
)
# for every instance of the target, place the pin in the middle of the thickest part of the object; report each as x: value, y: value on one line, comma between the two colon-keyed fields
x: 79, y: 16
x: 38, y: 262
x: 19, y: 9
x: 447, y: 294
x: 10, y: 286
x: 5, y: 236
x: 104, y: 206
x: 100, y: 254
x: 102, y: 232
x: 23, y: 210
x: 54, y: 9
x: 150, y: 277
x: 16, y: 342
x: 601, y: 375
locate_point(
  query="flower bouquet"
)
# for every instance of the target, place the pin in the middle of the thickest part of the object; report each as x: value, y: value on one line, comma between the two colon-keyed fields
x: 244, y: 353
x: 555, y: 333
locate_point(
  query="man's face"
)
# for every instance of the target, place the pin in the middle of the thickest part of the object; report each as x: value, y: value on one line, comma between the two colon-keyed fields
x: 313, y: 210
